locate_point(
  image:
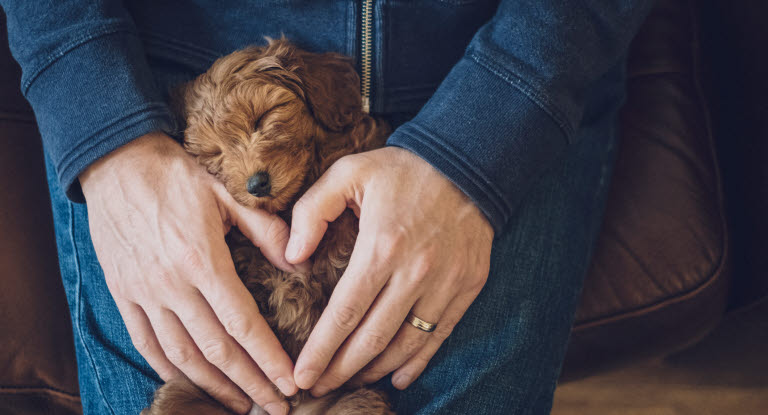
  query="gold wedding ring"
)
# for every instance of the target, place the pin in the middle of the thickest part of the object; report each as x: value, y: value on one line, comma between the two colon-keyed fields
x: 420, y: 324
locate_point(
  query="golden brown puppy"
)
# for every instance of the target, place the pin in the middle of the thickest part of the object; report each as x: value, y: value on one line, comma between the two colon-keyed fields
x: 267, y: 122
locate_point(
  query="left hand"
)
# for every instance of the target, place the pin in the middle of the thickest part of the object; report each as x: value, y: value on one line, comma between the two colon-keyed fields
x: 423, y: 246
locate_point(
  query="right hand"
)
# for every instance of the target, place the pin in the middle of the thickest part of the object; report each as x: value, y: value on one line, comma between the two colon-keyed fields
x: 157, y: 222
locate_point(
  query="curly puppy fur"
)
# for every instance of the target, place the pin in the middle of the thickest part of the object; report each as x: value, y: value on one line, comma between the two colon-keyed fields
x: 292, y: 114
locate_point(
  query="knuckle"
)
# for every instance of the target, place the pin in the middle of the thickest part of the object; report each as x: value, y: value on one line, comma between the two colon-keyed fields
x: 221, y: 391
x: 443, y: 330
x: 420, y: 361
x: 482, y: 278
x: 179, y: 355
x: 374, y: 343
x: 422, y: 269
x: 164, y: 277
x: 277, y: 231
x: 345, y: 165
x: 191, y: 259
x: 477, y: 283
x: 142, y: 345
x: 333, y: 377
x: 372, y: 376
x: 238, y: 326
x: 302, y: 207
x: 345, y: 317
x: 412, y: 345
x: 389, y: 244
x: 135, y: 290
x: 218, y: 352
x: 269, y: 366
x: 315, y: 355
x: 260, y: 394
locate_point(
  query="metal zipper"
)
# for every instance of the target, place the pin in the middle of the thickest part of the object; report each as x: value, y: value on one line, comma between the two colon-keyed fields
x: 365, y: 52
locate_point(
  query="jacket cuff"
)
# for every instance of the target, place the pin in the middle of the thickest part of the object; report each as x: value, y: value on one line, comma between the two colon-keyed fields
x: 92, y: 98
x: 487, y: 133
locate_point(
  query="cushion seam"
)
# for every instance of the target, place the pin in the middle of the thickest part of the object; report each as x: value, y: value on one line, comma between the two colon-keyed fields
x: 38, y: 390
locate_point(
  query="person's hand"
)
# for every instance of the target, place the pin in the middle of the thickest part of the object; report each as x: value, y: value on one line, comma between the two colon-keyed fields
x: 423, y: 246
x: 158, y: 221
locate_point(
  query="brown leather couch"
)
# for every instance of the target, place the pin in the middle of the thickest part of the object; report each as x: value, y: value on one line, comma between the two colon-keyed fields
x: 661, y: 275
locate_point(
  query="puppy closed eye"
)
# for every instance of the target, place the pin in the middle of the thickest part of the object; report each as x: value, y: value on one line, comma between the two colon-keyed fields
x: 257, y: 123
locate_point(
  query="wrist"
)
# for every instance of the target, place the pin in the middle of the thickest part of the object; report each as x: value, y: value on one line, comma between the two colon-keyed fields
x: 423, y: 169
x: 134, y: 156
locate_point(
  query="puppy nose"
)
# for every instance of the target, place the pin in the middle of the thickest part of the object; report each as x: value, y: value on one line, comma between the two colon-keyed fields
x: 258, y: 184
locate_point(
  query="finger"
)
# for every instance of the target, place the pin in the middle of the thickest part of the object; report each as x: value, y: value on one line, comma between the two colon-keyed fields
x: 267, y: 231
x: 145, y: 341
x: 182, y: 352
x: 371, y: 338
x: 351, y: 299
x: 411, y: 370
x: 409, y: 339
x: 221, y: 350
x: 237, y: 311
x: 323, y: 202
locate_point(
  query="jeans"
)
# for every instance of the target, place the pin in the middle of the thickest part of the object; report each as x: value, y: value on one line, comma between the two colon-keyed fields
x: 504, y: 357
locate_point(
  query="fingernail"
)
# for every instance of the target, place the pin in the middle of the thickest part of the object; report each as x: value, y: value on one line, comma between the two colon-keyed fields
x: 276, y: 408
x: 292, y: 250
x: 320, y: 390
x: 286, y: 386
x: 307, y: 378
x: 401, y: 381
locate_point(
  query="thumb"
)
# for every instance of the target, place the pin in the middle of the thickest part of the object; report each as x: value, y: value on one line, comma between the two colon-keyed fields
x: 266, y: 230
x: 322, y: 203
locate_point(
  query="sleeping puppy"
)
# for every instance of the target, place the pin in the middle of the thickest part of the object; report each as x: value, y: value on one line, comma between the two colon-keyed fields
x: 267, y: 122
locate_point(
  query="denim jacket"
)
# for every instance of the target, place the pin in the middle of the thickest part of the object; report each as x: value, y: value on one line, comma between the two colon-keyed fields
x: 499, y: 88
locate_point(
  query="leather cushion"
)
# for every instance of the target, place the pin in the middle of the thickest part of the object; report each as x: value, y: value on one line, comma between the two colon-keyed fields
x: 37, y: 359
x: 658, y: 277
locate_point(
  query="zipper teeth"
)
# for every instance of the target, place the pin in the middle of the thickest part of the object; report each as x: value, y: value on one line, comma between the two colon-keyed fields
x: 365, y: 81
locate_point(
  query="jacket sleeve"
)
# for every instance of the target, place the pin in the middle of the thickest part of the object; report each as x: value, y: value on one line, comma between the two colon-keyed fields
x: 85, y: 74
x: 515, y: 99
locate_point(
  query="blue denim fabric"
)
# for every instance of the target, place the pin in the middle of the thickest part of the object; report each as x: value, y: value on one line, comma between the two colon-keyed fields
x: 516, y: 103
x: 503, y: 357
x: 514, y: 78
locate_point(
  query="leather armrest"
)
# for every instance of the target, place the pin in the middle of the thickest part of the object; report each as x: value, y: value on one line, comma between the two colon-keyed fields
x: 659, y: 277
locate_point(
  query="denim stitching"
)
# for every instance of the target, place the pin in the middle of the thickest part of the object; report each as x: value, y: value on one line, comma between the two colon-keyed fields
x: 351, y: 31
x: 530, y: 91
x: 78, y: 306
x: 68, y: 47
x: 415, y: 87
x: 458, y: 2
x: 191, y: 49
x: 478, y: 180
x: 150, y: 108
x: 71, y: 180
x: 461, y: 159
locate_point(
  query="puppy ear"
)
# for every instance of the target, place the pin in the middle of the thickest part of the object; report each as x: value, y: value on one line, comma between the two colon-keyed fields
x: 332, y: 89
x: 328, y: 82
